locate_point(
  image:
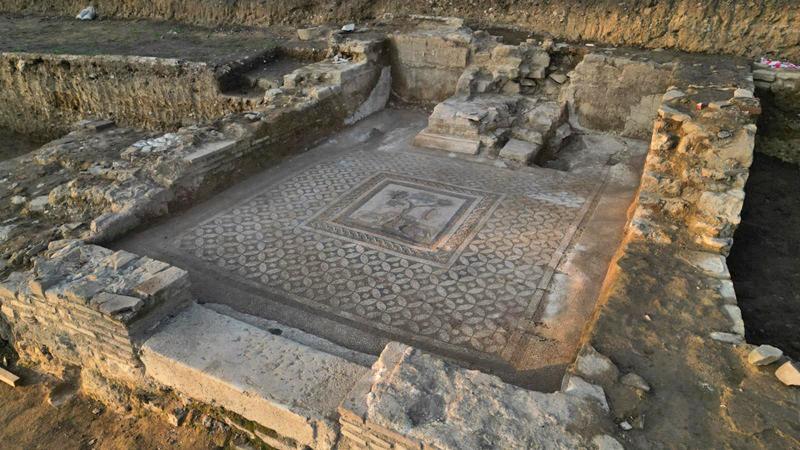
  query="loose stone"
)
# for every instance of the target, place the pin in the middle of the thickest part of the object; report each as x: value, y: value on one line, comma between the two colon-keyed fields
x: 728, y: 338
x: 635, y: 381
x: 88, y: 13
x: 764, y: 355
x: 789, y: 374
x: 8, y: 377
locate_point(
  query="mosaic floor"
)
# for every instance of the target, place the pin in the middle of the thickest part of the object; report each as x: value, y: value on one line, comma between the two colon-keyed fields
x: 451, y: 252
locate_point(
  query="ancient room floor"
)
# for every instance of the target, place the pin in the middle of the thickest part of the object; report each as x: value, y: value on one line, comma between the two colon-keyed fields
x: 365, y: 239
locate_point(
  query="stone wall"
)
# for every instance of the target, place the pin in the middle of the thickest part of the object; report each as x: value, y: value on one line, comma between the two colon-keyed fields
x: 779, y: 127
x: 667, y: 336
x: 45, y: 94
x: 750, y: 28
x: 617, y: 93
x: 87, y: 306
x: 427, y: 62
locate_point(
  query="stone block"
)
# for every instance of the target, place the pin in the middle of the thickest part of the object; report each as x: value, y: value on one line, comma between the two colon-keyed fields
x: 520, y: 151
x: 117, y: 306
x: 789, y: 373
x: 170, y: 282
x: 579, y: 387
x: 412, y: 400
x: 595, y: 367
x: 447, y: 143
x: 8, y: 377
x: 289, y: 388
x: 764, y: 355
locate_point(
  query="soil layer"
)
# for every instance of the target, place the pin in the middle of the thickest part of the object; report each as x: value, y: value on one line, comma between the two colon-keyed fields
x: 741, y: 27
x: 27, y: 421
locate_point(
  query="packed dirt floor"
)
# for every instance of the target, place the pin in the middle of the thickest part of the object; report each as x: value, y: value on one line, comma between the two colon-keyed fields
x: 765, y: 259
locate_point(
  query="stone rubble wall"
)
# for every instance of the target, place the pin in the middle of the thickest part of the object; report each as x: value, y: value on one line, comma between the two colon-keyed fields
x: 617, y: 94
x: 87, y: 306
x: 45, y: 94
x: 750, y: 28
x: 103, y: 181
x: 428, y: 61
x: 670, y: 278
x: 779, y: 92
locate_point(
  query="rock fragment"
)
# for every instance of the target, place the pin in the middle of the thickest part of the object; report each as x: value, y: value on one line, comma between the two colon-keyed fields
x: 595, y: 366
x: 635, y: 381
x: 88, y: 13
x: 764, y: 355
x: 728, y: 338
x: 789, y: 373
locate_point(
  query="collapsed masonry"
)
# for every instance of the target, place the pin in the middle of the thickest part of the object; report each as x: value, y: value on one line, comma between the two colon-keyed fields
x: 122, y: 317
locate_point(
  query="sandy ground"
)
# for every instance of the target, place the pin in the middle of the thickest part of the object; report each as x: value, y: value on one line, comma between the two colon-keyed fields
x: 27, y: 421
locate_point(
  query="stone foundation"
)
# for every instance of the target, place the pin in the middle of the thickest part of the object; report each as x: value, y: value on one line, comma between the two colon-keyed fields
x: 89, y: 307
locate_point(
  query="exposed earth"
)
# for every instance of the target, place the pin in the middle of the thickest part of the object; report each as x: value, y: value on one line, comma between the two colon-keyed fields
x: 28, y: 421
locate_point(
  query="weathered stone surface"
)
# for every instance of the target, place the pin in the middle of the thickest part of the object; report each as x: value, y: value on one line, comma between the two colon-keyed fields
x: 631, y: 93
x: 284, y: 386
x: 635, y: 381
x: 577, y: 386
x: 728, y: 338
x: 735, y: 314
x: 484, y: 119
x: 764, y: 355
x: 79, y: 302
x: 520, y: 151
x: 789, y: 373
x: 412, y: 398
x: 595, y: 367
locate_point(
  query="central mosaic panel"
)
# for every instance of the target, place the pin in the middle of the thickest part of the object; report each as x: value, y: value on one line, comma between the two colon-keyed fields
x: 415, y: 218
x: 457, y: 255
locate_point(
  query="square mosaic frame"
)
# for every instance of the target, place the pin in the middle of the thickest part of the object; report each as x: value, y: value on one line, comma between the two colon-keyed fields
x: 337, y: 220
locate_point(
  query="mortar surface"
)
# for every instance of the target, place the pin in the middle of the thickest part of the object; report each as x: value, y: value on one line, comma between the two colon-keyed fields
x: 366, y: 239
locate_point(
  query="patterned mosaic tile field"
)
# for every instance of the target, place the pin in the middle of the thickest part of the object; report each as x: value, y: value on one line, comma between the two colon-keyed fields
x: 454, y: 253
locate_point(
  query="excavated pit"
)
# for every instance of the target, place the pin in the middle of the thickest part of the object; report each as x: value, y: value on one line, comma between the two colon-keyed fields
x: 324, y: 204
x: 367, y: 239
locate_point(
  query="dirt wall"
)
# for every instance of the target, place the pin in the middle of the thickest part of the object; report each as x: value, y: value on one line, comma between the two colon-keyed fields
x: 741, y: 27
x: 44, y: 95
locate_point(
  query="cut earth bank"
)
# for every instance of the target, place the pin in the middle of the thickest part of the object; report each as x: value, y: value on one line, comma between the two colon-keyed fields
x: 644, y: 353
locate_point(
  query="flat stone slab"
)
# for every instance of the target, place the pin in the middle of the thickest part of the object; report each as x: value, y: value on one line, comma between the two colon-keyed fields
x: 455, y: 144
x: 280, y: 384
x: 419, y: 401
